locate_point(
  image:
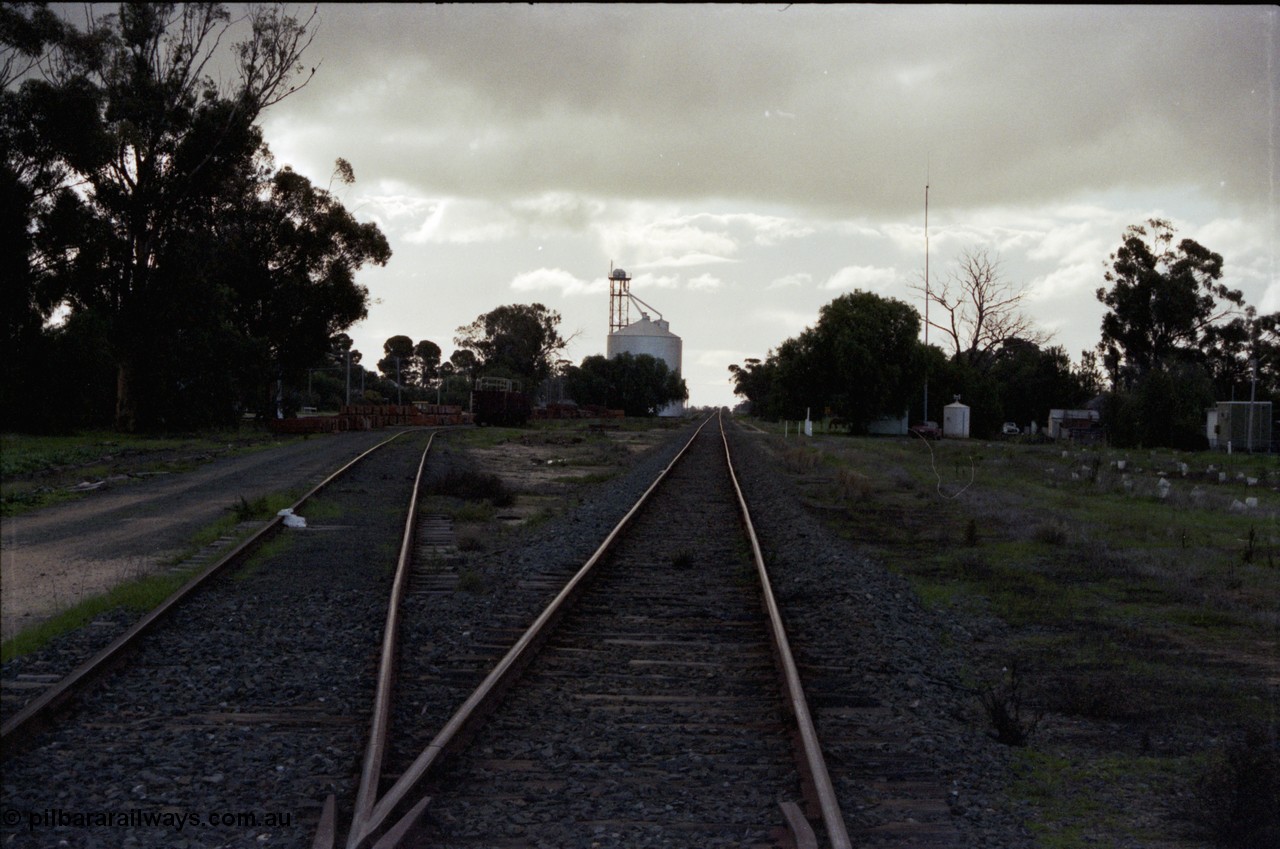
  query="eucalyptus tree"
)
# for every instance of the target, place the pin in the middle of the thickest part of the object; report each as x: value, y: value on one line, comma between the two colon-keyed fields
x: 138, y: 142
x: 639, y: 384
x: 288, y: 258
x: 515, y: 341
x: 861, y: 360
x: 427, y: 353
x: 1168, y: 332
x: 1162, y: 300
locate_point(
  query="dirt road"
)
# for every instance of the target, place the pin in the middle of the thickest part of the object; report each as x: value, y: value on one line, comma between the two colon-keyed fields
x: 53, y: 558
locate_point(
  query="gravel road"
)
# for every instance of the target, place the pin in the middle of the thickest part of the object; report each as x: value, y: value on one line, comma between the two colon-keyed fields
x: 50, y: 559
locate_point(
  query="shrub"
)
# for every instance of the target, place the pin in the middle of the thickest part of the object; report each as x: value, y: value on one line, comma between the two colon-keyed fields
x: 1237, y: 799
x: 471, y: 581
x: 1050, y: 533
x: 474, y: 486
x: 1004, y: 708
x: 852, y: 485
x: 800, y: 459
x: 247, y: 511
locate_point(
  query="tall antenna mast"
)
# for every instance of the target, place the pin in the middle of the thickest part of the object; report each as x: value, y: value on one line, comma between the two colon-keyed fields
x: 925, y: 417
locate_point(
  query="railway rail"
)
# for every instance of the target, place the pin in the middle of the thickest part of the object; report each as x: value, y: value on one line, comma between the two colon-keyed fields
x: 647, y: 709
x: 38, y: 712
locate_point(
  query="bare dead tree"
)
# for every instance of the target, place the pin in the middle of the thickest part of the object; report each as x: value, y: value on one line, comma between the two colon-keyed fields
x: 977, y: 309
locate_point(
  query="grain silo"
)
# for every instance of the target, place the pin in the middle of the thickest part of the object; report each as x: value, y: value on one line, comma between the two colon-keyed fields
x: 645, y: 335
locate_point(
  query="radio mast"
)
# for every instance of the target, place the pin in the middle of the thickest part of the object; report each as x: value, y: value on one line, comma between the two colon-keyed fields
x: 925, y: 417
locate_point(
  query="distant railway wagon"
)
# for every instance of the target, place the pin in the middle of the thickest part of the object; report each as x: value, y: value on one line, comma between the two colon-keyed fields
x: 499, y: 401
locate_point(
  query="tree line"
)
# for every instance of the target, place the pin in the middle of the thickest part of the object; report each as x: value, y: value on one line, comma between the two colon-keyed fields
x: 520, y: 342
x: 159, y: 269
x: 1173, y: 341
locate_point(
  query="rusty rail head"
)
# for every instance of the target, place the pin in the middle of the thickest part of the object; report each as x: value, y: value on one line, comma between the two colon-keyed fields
x: 489, y: 690
x: 25, y: 723
x: 380, y: 725
x: 811, y: 748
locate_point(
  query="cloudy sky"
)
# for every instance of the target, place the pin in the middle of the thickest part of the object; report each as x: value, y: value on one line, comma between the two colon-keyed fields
x: 748, y: 164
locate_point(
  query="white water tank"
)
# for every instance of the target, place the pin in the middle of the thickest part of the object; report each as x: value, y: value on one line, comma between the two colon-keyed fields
x: 652, y: 337
x: 955, y: 421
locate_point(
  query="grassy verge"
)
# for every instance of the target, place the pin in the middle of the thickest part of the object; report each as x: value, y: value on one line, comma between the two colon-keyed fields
x: 1134, y: 592
x: 144, y: 593
x: 37, y: 471
x: 139, y: 595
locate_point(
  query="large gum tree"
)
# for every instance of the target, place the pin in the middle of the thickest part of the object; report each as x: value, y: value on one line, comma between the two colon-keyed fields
x: 1162, y: 299
x: 153, y: 160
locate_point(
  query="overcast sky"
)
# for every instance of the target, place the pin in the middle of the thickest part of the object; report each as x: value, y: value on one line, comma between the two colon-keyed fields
x: 749, y: 164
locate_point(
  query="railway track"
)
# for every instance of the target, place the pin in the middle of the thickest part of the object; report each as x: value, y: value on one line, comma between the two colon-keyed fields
x: 225, y: 719
x: 38, y: 711
x: 653, y: 716
x: 657, y: 703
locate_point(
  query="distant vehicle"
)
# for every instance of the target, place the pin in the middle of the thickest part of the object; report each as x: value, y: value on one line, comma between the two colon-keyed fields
x: 928, y: 430
x: 1010, y: 429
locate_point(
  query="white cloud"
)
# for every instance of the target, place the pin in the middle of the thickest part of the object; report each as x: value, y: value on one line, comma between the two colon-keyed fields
x: 640, y: 282
x: 791, y: 281
x: 1270, y: 301
x: 705, y: 283
x: 556, y: 280
x: 647, y: 237
x: 683, y: 261
x: 865, y: 277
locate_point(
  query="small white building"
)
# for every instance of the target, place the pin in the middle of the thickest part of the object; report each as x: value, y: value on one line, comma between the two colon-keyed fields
x: 1228, y: 424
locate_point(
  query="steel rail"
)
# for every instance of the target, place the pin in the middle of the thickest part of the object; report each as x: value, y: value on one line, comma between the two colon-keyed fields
x: 25, y: 723
x: 485, y: 695
x: 380, y: 726
x: 814, y: 762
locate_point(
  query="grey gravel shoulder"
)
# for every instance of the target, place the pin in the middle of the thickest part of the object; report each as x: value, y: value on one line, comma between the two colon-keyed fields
x: 824, y: 587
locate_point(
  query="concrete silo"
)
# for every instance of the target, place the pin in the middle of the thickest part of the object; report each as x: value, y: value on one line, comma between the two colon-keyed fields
x: 646, y: 335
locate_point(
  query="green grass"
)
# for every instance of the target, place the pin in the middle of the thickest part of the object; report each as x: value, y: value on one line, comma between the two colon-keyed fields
x: 143, y: 594
x: 25, y: 454
x: 1071, y: 794
x: 139, y: 595
x: 261, y: 509
x: 473, y: 511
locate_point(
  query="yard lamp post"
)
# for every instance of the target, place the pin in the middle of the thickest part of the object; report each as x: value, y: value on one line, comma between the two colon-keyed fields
x: 1253, y: 393
x: 397, y: 380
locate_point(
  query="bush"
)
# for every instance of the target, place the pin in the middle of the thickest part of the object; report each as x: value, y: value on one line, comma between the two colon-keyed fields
x: 1237, y: 800
x: 474, y: 486
x: 1004, y: 707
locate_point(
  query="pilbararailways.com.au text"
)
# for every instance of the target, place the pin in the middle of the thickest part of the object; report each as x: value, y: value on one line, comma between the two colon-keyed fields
x: 137, y: 818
